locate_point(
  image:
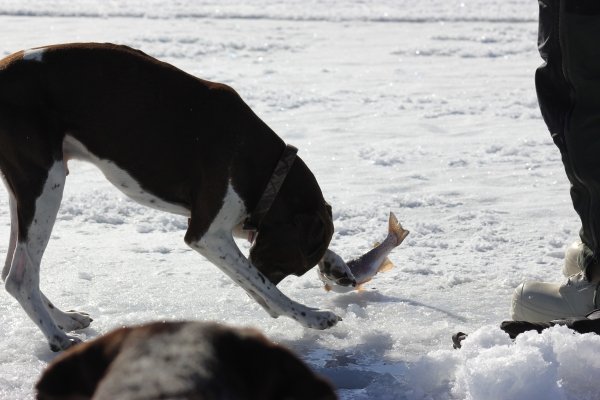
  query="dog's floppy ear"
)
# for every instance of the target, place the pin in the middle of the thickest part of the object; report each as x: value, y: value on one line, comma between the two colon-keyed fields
x: 294, y: 247
x: 253, y: 367
x: 75, y: 374
x: 291, y: 378
x: 315, y: 232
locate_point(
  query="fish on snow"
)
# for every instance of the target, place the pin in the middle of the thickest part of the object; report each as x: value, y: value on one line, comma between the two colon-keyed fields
x: 343, y: 277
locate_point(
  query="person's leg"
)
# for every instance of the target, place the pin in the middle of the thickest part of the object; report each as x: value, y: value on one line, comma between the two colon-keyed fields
x: 568, y: 89
x: 581, y: 65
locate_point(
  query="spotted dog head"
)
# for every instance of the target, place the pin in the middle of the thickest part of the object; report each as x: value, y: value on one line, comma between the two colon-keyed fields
x: 184, y: 360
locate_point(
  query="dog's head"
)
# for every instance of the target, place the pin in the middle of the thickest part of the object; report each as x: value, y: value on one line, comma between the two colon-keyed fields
x: 184, y: 360
x: 293, y: 244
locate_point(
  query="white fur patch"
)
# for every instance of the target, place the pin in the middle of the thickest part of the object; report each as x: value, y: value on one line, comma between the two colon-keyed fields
x: 174, y: 363
x: 34, y: 54
x: 46, y: 208
x: 72, y: 148
x: 231, y: 214
x: 14, y: 225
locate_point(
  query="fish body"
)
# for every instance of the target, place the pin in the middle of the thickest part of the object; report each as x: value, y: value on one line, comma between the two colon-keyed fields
x: 341, y: 277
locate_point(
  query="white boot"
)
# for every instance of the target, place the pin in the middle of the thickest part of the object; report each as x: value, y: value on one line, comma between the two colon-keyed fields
x: 571, y: 266
x: 542, y: 302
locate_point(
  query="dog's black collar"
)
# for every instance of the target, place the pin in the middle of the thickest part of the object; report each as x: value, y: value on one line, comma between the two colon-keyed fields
x: 253, y: 222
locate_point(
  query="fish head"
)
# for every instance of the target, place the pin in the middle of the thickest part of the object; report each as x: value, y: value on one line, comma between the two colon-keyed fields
x: 334, y: 271
x: 292, y: 245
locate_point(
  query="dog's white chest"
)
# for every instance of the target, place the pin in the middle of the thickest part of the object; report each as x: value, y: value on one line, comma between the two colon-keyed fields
x: 72, y: 148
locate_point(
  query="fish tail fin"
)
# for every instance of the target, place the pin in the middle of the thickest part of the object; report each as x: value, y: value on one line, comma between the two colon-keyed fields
x: 396, y: 229
x: 386, y: 265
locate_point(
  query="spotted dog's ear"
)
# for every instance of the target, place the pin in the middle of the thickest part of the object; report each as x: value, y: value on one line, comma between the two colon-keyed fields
x: 292, y: 248
x: 276, y: 253
x: 253, y: 367
x: 75, y: 374
x: 315, y: 232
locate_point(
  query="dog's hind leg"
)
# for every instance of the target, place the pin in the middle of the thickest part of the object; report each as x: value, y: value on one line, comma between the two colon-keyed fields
x: 14, y: 228
x: 216, y: 243
x: 36, y: 216
x: 67, y: 321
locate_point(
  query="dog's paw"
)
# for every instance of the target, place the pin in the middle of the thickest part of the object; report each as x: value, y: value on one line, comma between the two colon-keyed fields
x: 72, y: 320
x: 59, y: 343
x: 320, y: 319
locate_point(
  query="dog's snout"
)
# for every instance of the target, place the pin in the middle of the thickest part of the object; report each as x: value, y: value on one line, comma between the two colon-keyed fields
x: 347, y: 282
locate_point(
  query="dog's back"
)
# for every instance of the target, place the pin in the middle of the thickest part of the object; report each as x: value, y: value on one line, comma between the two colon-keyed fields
x: 89, y: 97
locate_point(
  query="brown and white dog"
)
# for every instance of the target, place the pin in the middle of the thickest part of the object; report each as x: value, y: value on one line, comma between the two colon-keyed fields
x: 167, y: 140
x: 181, y: 360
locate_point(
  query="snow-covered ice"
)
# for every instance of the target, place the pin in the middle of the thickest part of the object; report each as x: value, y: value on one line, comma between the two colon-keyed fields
x: 427, y: 109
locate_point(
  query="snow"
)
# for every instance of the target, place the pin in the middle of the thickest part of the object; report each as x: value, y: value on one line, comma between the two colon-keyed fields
x: 427, y: 109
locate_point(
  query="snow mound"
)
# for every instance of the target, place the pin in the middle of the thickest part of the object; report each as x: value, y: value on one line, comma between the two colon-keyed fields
x: 556, y: 364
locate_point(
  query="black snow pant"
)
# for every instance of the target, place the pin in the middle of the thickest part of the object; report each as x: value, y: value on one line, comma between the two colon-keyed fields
x: 568, y: 90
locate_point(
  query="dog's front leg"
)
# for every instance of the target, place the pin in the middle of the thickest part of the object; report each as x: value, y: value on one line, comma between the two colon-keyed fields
x: 221, y: 250
x: 218, y: 246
